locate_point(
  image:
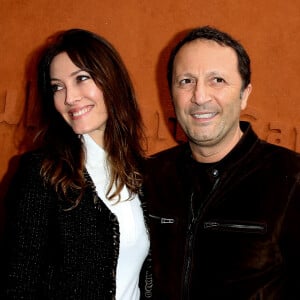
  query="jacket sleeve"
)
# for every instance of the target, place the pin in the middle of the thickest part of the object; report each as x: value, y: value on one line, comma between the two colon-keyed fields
x: 290, y: 242
x: 26, y: 231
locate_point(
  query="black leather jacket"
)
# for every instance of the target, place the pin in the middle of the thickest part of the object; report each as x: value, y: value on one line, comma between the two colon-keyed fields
x: 229, y: 230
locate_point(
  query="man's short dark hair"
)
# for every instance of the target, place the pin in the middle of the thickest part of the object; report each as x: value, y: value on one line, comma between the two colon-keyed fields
x: 222, y: 38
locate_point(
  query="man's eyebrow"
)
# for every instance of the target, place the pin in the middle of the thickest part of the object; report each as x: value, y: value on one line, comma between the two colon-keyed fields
x: 184, y: 75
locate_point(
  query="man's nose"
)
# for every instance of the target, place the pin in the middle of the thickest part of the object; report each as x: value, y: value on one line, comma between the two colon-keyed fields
x: 200, y: 93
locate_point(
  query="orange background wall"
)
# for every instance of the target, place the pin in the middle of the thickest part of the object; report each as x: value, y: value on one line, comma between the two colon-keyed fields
x: 142, y: 31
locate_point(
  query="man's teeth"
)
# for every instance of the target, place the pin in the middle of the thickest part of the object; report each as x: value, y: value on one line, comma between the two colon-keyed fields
x: 204, y: 116
x: 80, y: 112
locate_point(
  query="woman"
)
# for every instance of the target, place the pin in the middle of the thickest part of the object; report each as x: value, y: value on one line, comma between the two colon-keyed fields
x: 77, y: 229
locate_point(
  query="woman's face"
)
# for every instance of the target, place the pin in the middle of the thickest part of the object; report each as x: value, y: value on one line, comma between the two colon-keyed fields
x: 77, y: 98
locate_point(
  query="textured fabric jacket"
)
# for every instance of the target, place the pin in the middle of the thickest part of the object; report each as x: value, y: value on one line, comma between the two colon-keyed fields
x: 54, y: 253
x: 240, y: 242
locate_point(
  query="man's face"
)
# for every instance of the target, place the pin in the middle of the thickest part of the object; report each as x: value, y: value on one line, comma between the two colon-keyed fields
x: 207, y: 93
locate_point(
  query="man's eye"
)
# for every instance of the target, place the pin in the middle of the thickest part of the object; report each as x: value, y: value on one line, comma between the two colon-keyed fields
x: 218, y: 80
x: 185, y: 81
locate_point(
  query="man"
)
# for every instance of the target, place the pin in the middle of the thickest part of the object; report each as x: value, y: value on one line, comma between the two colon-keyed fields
x: 225, y: 207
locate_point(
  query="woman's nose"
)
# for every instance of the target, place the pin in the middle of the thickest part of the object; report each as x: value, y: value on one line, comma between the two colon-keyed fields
x: 72, y: 96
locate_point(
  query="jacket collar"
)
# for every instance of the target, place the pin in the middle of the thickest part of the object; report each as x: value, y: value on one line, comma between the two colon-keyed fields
x: 238, y: 153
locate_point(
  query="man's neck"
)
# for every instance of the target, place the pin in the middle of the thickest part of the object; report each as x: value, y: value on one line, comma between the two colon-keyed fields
x: 214, y: 153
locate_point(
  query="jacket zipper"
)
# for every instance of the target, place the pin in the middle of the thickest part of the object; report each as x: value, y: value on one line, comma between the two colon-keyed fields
x: 188, y: 252
x: 191, y: 233
x: 237, y: 227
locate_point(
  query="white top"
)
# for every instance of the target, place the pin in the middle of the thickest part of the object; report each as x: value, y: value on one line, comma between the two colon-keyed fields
x: 134, y: 240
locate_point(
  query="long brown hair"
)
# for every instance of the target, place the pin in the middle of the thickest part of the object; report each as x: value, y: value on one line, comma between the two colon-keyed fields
x: 63, y: 166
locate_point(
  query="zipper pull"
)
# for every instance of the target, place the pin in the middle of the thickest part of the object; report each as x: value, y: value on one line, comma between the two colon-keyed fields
x: 162, y: 220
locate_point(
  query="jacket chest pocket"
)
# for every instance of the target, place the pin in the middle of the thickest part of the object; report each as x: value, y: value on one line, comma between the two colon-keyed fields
x: 235, y: 226
x: 239, y: 245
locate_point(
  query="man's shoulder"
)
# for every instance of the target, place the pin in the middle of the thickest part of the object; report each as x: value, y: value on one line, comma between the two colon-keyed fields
x: 282, y: 158
x: 169, y: 153
x: 166, y: 160
x: 280, y: 151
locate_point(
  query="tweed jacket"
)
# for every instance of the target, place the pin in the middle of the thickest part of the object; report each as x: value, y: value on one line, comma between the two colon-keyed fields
x: 54, y: 253
x: 237, y: 240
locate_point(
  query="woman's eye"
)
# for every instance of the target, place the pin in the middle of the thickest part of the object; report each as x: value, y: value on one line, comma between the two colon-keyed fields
x: 82, y: 77
x: 56, y: 87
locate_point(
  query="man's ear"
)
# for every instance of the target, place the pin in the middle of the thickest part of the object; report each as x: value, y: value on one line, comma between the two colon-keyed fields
x: 244, y: 96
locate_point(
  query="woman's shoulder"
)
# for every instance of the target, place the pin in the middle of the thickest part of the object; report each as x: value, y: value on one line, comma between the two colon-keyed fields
x: 33, y: 157
x: 29, y: 163
x: 26, y: 187
x: 37, y: 154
